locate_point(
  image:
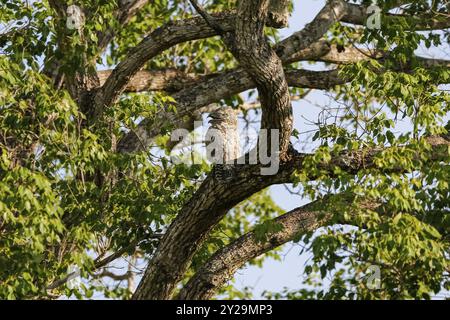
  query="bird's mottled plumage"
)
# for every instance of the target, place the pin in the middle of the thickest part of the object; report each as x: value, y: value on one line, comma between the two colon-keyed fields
x: 224, y: 122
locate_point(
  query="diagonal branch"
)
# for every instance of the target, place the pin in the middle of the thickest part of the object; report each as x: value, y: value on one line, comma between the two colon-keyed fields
x: 221, y: 267
x: 358, y: 14
x: 331, y: 13
x: 159, y: 40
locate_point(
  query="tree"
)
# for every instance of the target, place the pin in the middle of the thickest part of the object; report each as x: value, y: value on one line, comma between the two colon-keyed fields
x: 87, y: 180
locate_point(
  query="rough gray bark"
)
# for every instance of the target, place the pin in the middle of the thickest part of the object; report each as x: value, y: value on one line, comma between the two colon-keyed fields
x: 279, y: 13
x: 256, y: 56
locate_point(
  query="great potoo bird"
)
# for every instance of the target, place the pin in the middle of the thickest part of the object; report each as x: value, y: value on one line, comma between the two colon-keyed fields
x: 75, y: 18
x: 222, y: 141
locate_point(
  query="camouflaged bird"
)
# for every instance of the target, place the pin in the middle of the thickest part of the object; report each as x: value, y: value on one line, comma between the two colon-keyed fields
x: 222, y: 141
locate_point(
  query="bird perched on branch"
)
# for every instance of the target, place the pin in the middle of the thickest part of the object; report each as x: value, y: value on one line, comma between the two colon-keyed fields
x: 75, y: 18
x: 222, y: 140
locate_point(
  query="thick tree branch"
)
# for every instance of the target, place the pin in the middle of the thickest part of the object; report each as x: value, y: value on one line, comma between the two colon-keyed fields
x: 260, y: 61
x: 159, y: 40
x: 222, y: 266
x: 192, y: 99
x: 168, y: 80
x: 173, y: 80
x: 331, y: 13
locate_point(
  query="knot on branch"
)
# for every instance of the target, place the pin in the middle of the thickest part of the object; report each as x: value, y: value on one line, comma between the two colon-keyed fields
x: 278, y: 13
